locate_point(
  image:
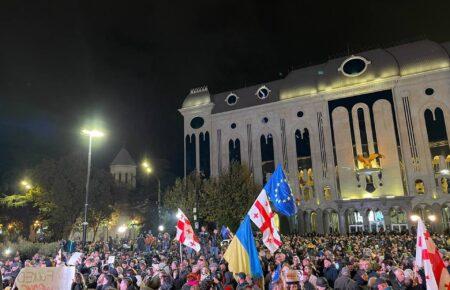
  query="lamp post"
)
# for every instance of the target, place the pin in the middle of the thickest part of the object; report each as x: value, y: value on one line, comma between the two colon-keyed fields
x: 148, y: 170
x: 92, y: 134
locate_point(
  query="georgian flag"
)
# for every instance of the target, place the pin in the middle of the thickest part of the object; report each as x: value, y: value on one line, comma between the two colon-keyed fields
x: 185, y: 233
x: 428, y: 257
x: 263, y: 217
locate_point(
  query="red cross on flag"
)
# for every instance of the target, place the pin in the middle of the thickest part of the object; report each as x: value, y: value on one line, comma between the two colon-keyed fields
x: 428, y: 257
x: 185, y: 233
x: 263, y: 217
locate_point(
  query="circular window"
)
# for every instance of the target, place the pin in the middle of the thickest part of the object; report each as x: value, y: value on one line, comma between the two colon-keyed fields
x: 263, y: 92
x: 429, y: 91
x: 197, y: 122
x: 231, y: 99
x: 354, y: 66
x: 265, y: 120
x: 299, y: 114
x: 233, y: 126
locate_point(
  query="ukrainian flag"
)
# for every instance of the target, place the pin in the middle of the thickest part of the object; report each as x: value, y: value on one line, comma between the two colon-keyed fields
x: 241, y: 254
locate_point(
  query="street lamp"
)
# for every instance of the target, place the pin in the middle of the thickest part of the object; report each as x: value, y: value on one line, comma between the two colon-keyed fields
x: 92, y: 134
x: 27, y: 185
x: 122, y: 229
x: 148, y: 170
x: 161, y: 228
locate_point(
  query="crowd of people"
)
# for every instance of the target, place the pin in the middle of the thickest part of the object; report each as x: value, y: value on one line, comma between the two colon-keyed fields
x: 360, y: 261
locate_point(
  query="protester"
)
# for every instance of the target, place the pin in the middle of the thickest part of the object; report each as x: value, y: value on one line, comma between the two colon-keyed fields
x: 373, y: 261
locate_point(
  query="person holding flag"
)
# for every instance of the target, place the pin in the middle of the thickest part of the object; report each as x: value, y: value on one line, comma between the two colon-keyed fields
x: 185, y: 233
x: 242, y: 255
x: 428, y: 257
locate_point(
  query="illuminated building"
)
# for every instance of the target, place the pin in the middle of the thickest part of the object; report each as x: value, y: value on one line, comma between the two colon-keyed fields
x: 363, y: 138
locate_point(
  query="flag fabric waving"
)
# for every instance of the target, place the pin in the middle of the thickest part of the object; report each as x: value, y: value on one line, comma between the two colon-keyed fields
x: 263, y: 217
x: 226, y: 233
x: 280, y: 194
x: 242, y: 255
x: 428, y: 257
x: 185, y: 233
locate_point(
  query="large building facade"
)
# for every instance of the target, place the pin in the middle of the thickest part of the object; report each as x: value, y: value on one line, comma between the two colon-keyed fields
x: 362, y: 138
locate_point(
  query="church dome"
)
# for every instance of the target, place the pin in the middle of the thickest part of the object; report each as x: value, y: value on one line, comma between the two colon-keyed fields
x: 197, y: 97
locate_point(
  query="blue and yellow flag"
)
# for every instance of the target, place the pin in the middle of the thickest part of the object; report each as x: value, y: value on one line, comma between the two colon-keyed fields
x: 241, y: 254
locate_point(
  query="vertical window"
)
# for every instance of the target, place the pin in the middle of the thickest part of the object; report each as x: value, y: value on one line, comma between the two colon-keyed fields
x: 204, y: 154
x: 267, y: 156
x: 420, y: 187
x: 304, y: 164
x: 362, y: 132
x: 234, y: 149
x: 190, y: 153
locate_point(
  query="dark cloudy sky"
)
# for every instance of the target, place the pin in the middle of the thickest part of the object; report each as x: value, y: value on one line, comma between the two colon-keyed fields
x: 130, y: 63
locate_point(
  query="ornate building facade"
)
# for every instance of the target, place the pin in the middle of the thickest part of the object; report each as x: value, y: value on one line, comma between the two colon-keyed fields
x: 362, y: 138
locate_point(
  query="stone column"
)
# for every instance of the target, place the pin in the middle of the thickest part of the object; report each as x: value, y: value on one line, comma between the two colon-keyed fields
x: 301, y: 222
x: 320, y: 229
x: 365, y: 219
x: 307, y: 221
x: 342, y: 226
x: 437, y: 225
x: 387, y: 219
x: 326, y: 221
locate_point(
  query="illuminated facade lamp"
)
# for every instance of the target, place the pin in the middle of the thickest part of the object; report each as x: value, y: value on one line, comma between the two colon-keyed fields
x: 432, y: 218
x: 414, y: 218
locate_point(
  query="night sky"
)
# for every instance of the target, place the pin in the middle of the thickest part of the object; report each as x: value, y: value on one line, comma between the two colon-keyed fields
x: 129, y: 64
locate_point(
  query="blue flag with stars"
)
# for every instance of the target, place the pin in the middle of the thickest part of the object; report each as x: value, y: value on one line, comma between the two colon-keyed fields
x: 279, y: 193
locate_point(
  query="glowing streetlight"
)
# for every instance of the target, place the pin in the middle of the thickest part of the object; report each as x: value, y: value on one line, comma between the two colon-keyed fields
x: 92, y: 134
x: 161, y: 228
x: 122, y: 229
x: 432, y: 218
x: 7, y: 252
x: 414, y: 218
x: 26, y: 184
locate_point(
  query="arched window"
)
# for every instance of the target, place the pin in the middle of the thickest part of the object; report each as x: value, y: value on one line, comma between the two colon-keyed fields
x: 362, y: 132
x: 120, y: 177
x: 437, y: 136
x: 190, y: 153
x: 267, y: 156
x: 234, y: 149
x: 327, y: 193
x: 304, y: 164
x: 204, y: 154
x: 420, y: 187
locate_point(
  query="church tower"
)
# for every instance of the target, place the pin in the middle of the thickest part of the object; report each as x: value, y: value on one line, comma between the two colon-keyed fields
x: 123, y: 168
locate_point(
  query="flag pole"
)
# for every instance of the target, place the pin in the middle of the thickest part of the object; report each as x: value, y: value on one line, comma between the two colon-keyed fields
x: 181, y: 254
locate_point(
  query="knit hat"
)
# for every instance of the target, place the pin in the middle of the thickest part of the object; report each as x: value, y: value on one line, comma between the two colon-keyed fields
x: 321, y: 282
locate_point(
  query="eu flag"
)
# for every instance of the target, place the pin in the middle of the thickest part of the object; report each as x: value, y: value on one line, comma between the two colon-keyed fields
x: 280, y: 193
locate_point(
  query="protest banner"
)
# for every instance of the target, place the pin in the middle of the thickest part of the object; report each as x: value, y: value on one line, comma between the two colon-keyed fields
x: 74, y: 259
x: 50, y: 278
